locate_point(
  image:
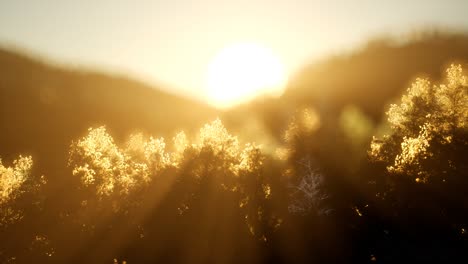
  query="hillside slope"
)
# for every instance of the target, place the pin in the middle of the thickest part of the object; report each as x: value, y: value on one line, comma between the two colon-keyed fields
x: 370, y: 78
x: 43, y: 108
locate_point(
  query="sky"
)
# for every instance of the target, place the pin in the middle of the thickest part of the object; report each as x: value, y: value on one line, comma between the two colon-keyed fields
x: 171, y: 42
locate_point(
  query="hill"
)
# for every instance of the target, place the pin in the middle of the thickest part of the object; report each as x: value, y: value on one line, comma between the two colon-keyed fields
x: 369, y: 78
x: 44, y: 107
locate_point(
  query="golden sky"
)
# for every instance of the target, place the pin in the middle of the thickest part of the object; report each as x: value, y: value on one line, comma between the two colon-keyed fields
x: 173, y: 41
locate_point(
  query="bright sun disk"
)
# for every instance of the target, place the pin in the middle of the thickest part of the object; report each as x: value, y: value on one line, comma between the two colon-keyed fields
x: 240, y: 72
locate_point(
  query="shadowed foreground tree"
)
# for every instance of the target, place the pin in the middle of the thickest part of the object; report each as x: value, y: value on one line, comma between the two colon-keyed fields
x: 423, y: 194
x: 200, y: 201
x: 314, y: 199
x: 20, y: 206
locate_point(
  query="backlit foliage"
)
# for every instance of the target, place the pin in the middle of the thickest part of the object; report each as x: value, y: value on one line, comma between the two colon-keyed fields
x: 99, y: 162
x: 214, y: 156
x: 214, y: 153
x: 180, y: 142
x: 429, y: 129
x: 11, y: 178
x: 102, y: 164
x: 12, y: 181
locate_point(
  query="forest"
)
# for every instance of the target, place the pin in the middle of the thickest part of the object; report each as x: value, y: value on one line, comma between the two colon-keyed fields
x: 367, y: 166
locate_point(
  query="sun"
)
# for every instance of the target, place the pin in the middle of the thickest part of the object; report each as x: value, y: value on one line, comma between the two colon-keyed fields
x: 241, y: 72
